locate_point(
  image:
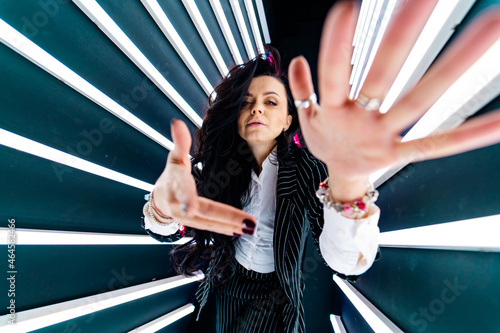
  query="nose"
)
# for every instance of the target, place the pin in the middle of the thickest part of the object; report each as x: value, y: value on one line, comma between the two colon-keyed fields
x: 256, y: 110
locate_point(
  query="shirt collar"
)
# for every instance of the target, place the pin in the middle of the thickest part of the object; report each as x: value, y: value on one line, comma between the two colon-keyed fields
x: 269, y: 165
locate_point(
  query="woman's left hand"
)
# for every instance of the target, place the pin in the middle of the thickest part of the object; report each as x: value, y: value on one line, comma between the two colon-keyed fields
x: 355, y: 142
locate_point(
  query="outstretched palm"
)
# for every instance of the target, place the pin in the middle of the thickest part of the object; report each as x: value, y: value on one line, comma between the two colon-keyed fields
x: 355, y: 142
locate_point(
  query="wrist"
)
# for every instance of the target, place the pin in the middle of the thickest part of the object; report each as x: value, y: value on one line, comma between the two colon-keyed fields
x: 354, y: 209
x: 344, y: 190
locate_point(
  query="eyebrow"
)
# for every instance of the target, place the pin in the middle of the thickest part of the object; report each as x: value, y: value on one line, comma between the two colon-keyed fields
x: 265, y: 94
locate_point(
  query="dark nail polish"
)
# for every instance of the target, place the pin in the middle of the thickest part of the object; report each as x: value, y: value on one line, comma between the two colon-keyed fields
x: 249, y: 231
x: 248, y: 223
x: 236, y: 235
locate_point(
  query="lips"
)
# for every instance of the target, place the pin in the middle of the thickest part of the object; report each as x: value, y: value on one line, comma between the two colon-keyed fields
x: 255, y: 122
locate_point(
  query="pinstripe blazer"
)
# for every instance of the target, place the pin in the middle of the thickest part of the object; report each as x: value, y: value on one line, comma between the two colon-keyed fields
x: 297, y: 211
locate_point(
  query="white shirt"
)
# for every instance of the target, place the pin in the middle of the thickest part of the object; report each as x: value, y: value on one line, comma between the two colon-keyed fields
x: 256, y: 252
x: 341, y: 241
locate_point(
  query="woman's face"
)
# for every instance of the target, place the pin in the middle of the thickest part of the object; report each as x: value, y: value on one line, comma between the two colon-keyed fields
x: 264, y: 113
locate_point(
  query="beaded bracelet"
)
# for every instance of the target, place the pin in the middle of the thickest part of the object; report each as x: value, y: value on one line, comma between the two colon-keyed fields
x: 355, y: 209
x: 156, y: 209
x: 152, y: 207
x: 168, y: 222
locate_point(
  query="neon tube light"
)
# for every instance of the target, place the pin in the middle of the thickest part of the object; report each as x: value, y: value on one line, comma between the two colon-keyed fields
x: 95, y: 12
x: 25, y: 47
x: 173, y: 37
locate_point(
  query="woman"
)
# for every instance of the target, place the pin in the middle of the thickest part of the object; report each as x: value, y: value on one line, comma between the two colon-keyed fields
x: 257, y: 187
x: 246, y: 138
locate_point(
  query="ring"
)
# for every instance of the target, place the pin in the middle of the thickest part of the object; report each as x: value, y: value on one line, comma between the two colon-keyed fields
x: 304, y: 104
x: 367, y: 103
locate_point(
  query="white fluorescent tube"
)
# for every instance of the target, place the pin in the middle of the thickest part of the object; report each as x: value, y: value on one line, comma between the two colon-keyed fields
x: 25, y: 47
x: 30, y: 320
x: 373, y: 316
x: 263, y: 21
x: 226, y: 31
x: 338, y: 326
x: 254, y: 25
x: 175, y: 40
x: 95, y: 12
x: 60, y: 237
x: 202, y: 28
x: 165, y: 320
x: 479, y: 85
x: 240, y: 21
x: 386, y: 12
x: 363, y: 40
x: 361, y: 20
x: 21, y: 143
x: 436, y: 32
x: 477, y: 234
x: 380, y: 19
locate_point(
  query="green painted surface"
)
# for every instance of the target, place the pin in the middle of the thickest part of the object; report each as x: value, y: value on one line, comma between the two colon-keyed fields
x: 43, y: 194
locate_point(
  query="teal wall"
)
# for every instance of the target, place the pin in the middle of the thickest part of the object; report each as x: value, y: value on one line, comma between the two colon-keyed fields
x: 45, y: 195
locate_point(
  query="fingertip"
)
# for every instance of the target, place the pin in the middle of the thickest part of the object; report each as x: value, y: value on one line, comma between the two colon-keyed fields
x: 297, y: 59
x: 298, y: 63
x: 181, y: 137
x: 300, y: 78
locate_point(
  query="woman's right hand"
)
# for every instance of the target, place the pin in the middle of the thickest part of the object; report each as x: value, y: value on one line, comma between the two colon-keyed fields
x: 175, y: 194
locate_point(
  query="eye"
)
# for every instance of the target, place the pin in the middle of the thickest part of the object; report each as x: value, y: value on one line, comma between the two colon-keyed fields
x: 245, y: 103
x: 272, y: 103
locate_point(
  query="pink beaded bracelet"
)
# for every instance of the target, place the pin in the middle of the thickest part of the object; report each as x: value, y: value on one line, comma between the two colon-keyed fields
x: 355, y: 209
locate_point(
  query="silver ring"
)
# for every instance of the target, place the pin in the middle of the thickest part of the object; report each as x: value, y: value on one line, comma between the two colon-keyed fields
x: 367, y: 103
x: 304, y: 104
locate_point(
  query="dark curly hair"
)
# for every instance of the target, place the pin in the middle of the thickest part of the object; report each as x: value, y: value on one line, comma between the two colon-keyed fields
x: 227, y: 163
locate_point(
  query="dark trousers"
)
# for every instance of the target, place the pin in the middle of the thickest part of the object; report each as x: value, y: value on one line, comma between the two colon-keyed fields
x: 251, y: 302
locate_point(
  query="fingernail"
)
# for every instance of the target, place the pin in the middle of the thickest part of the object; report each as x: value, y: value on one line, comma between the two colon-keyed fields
x: 236, y: 235
x: 248, y: 231
x: 248, y: 223
x: 173, y: 120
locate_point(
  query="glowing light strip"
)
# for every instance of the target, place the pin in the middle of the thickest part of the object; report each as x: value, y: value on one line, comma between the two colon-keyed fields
x: 373, y: 316
x: 202, y: 28
x: 164, y: 321
x: 362, y: 39
x: 21, y: 143
x: 478, y: 85
x: 60, y: 237
x: 386, y: 13
x: 263, y: 21
x: 361, y: 20
x: 34, y: 319
x: 254, y: 25
x: 95, y: 12
x: 382, y: 15
x: 173, y: 37
x: 338, y: 325
x: 474, y: 89
x: 240, y: 21
x: 25, y: 47
x: 226, y: 31
x: 436, y: 32
x: 477, y: 234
